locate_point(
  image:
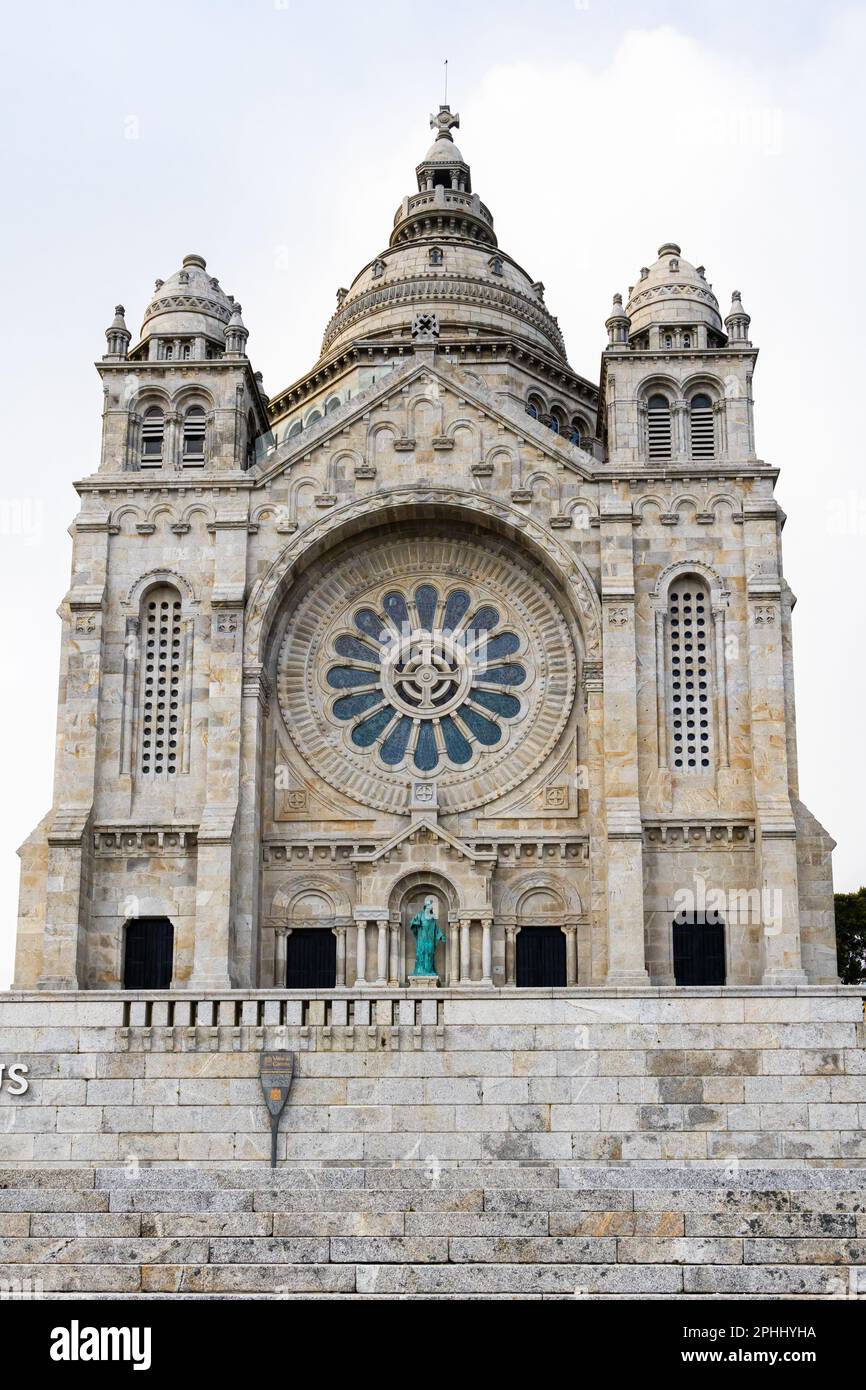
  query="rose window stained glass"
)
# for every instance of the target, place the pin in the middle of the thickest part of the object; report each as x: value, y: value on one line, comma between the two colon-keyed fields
x: 425, y: 656
x: 426, y: 676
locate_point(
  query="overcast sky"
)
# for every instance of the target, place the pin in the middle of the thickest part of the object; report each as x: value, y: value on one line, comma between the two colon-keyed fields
x: 276, y: 138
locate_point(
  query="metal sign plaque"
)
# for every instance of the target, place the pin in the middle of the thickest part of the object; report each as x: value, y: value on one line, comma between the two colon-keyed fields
x: 276, y: 1071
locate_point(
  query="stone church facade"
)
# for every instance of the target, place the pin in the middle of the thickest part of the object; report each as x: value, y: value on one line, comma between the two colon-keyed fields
x: 443, y: 618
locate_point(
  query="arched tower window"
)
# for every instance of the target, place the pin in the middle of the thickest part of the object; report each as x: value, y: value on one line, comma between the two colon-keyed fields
x: 690, y: 666
x: 535, y: 407
x: 701, y: 430
x: 152, y: 435
x: 193, y: 435
x: 658, y: 427
x: 161, y: 691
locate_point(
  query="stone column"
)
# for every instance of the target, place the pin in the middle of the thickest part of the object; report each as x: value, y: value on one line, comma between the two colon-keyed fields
x: 340, y: 977
x: 131, y: 656
x: 570, y: 955
x: 281, y: 947
x: 394, y: 953
x: 721, y: 682
x: 454, y: 953
x: 776, y: 836
x: 255, y: 701
x: 680, y: 442
x: 625, y: 911
x: 511, y: 955
x: 661, y: 701
x: 465, y: 924
x: 361, y: 952
x: 382, y: 953
x: 487, y: 950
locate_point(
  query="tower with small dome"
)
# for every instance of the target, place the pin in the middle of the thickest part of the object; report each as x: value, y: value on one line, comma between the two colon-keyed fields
x: 444, y: 619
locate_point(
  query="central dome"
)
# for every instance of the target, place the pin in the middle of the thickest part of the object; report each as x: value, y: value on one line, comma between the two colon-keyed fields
x: 443, y: 259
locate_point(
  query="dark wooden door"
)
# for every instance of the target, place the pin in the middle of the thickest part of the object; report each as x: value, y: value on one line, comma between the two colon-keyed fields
x: 699, y: 949
x: 540, y: 957
x: 311, y: 959
x: 149, y: 953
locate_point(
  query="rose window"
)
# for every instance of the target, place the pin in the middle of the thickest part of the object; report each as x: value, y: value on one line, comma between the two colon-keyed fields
x: 424, y: 656
x: 425, y: 677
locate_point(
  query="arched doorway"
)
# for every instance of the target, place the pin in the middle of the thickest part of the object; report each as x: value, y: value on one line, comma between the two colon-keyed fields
x: 311, y: 959
x: 148, y: 953
x: 541, y: 957
x: 699, y: 948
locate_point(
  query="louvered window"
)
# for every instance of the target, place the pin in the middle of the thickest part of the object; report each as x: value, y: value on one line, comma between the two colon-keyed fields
x: 689, y: 663
x: 152, y: 432
x: 193, y: 435
x: 701, y: 427
x: 161, y: 666
x: 659, y: 427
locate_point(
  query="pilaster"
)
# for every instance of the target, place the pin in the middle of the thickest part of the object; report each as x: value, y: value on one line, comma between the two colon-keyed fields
x: 217, y: 962
x: 625, y: 911
x: 776, y: 841
x: 64, y: 964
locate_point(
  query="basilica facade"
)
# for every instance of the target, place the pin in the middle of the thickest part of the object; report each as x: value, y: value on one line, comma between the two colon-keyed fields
x: 443, y: 619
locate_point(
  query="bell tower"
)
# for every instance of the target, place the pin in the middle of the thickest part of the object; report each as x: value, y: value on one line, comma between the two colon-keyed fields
x: 184, y: 400
x: 676, y: 387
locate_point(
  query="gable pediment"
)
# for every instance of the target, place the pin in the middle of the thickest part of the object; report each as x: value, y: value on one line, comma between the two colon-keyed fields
x: 437, y: 413
x: 424, y: 830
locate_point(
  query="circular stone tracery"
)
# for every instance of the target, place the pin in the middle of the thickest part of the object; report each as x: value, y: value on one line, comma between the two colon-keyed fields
x: 426, y: 658
x: 429, y: 679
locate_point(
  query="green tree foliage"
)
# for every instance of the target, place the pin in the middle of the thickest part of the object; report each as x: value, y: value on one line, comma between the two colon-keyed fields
x: 851, y: 936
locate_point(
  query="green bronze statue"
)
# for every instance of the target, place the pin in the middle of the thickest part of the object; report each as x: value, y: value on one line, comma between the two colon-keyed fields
x: 425, y: 929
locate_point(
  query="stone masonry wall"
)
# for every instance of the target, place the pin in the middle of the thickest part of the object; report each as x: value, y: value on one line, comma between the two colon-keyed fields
x: 722, y: 1077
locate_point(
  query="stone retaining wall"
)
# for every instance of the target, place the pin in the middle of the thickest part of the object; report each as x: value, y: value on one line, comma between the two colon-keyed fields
x: 725, y: 1077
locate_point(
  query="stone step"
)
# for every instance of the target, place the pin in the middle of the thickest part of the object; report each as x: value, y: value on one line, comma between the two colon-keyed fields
x: 521, y: 1280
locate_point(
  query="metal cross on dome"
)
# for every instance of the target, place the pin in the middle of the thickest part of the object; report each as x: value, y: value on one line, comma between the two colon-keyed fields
x: 444, y: 122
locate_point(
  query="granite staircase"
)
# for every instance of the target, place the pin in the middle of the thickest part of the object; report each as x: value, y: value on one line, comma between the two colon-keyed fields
x: 490, y: 1231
